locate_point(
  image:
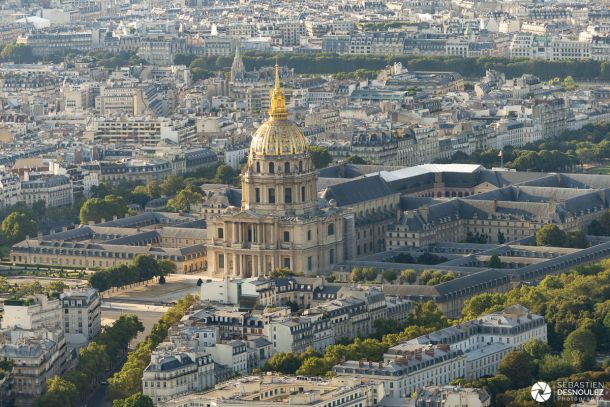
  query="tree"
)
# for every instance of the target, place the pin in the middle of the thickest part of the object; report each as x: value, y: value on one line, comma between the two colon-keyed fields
x: 536, y: 348
x: 357, y: 275
x: 18, y: 225
x: 225, y: 174
x: 135, y: 400
x: 283, y: 362
x: 501, y: 238
x: 389, y: 275
x: 495, y: 262
x: 601, y: 226
x: 60, y: 393
x: 369, y: 273
x: 320, y: 156
x: 184, y: 199
x: 166, y: 267
x: 18, y: 53
x: 96, y: 209
x: 409, y: 276
x: 56, y: 286
x: 315, y: 366
x: 171, y: 185
x: 577, y: 239
x: 579, y: 349
x: 569, y: 84
x: 552, y: 367
x: 5, y: 286
x: 518, y: 367
x: 550, y: 235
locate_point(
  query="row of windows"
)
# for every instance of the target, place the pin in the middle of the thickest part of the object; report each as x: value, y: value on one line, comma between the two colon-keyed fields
x: 271, y: 195
x: 271, y: 167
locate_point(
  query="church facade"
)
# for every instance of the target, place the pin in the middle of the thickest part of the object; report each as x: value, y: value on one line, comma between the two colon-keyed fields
x: 281, y: 223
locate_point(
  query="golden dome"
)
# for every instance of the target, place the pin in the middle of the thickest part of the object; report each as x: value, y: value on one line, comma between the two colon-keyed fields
x: 278, y: 135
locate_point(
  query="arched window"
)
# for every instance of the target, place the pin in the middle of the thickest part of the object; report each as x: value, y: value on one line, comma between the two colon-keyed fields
x: 300, y: 166
x: 271, y: 168
x: 258, y: 167
x: 287, y: 168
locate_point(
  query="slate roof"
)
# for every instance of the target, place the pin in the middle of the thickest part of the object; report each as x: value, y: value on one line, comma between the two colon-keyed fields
x: 359, y: 190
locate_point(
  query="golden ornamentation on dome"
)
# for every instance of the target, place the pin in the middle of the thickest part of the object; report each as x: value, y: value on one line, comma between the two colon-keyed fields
x: 278, y: 135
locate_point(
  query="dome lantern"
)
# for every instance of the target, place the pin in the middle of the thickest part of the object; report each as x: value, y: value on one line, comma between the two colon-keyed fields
x: 278, y: 136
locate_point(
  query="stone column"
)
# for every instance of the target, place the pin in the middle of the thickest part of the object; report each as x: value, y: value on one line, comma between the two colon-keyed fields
x: 261, y: 264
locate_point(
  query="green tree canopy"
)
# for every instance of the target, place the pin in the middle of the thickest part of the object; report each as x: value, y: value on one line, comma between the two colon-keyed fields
x: 135, y: 400
x: 579, y: 349
x: 495, y: 262
x: 60, y: 393
x: 184, y: 199
x: 320, y: 156
x: 389, y: 275
x: 577, y: 239
x: 18, y: 53
x: 408, y: 276
x: 225, y: 174
x: 96, y: 209
x: 518, y: 367
x: 171, y: 185
x: 550, y: 235
x: 283, y: 362
x: 17, y: 225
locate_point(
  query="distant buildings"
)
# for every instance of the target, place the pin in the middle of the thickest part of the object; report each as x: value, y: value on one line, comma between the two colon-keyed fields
x: 32, y: 336
x: 472, y: 350
x: 119, y: 241
x: 274, y: 390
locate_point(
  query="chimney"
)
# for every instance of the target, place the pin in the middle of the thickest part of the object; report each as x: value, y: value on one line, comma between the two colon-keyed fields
x: 495, y: 205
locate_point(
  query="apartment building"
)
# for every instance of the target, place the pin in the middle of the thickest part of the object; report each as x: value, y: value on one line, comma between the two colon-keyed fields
x: 82, y: 320
x: 425, y: 365
x: 171, y: 374
x: 54, y: 190
x: 10, y: 190
x: 33, y: 313
x: 472, y: 349
x: 37, y: 355
x: 48, y: 43
x: 142, y: 131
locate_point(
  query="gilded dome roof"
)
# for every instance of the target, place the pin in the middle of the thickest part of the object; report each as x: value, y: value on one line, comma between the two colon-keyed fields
x: 278, y: 135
